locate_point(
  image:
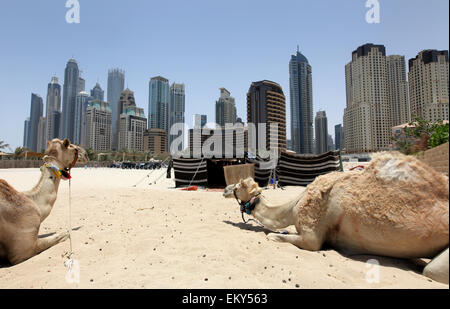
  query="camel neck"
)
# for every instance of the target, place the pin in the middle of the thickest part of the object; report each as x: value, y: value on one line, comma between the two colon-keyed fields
x: 275, y: 217
x: 45, y: 192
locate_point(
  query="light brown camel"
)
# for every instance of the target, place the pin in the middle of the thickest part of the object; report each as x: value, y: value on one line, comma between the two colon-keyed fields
x: 397, y: 207
x: 21, y: 214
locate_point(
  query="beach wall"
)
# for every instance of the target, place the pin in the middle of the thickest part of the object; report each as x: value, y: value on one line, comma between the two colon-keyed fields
x: 437, y: 158
x: 5, y: 164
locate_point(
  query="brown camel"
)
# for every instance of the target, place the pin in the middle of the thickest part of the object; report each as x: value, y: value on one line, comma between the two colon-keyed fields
x: 21, y: 213
x: 397, y: 206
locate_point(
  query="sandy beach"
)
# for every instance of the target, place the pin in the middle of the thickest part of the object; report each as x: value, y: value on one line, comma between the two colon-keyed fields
x: 156, y: 236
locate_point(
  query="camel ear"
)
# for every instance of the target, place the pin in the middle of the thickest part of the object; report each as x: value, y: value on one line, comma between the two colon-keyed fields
x: 48, y: 144
x: 66, y: 143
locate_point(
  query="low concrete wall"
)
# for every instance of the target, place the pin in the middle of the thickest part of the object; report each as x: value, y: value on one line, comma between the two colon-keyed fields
x: 437, y: 158
x: 4, y: 164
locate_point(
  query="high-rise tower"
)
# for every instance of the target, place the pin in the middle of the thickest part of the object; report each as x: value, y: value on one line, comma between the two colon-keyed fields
x: 300, y: 79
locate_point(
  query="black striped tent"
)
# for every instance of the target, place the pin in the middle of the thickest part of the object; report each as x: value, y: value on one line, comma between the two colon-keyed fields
x: 301, y: 170
x: 262, y: 176
x: 186, y: 169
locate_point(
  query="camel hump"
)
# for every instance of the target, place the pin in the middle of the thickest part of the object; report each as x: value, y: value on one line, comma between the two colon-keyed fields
x: 394, y: 166
x: 10, y: 195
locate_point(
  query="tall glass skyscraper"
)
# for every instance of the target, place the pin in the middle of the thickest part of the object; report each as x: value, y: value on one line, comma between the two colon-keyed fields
x: 53, y: 104
x: 300, y: 79
x: 116, y: 84
x: 158, y: 104
x: 71, y: 84
x: 81, y: 105
x: 176, y: 110
x: 36, y: 112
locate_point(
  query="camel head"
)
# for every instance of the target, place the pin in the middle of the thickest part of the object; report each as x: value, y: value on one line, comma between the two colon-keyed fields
x: 64, y: 154
x: 245, y: 190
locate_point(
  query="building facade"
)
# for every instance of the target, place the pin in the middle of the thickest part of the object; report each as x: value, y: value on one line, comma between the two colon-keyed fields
x: 132, y: 127
x: 36, y: 112
x: 428, y: 85
x: 53, y: 104
x: 155, y: 141
x: 81, y: 105
x: 42, y: 137
x: 158, y: 104
x: 398, y: 90
x: 367, y: 118
x: 177, y: 105
x: 98, y: 126
x: 300, y: 81
x: 26, y: 132
x: 200, y: 121
x: 225, y: 109
x: 321, y: 127
x: 339, y: 137
x: 70, y: 91
x: 266, y: 104
x: 116, y: 84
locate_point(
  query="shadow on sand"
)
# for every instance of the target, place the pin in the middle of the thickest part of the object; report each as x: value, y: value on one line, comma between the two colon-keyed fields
x: 249, y: 227
x: 414, y: 265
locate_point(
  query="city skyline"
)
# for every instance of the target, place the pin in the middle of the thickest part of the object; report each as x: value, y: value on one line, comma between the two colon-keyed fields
x: 202, y: 84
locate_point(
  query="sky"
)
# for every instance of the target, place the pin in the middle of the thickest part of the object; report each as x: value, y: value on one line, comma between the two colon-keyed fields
x: 205, y: 44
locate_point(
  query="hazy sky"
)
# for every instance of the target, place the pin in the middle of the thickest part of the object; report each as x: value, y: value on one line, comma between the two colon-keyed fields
x: 205, y: 44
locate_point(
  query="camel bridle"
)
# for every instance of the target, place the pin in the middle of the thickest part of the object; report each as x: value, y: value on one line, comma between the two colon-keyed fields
x: 65, y: 171
x: 246, y: 207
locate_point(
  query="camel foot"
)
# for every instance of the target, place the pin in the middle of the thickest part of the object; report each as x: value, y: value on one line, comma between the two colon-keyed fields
x: 46, y: 243
x: 438, y: 268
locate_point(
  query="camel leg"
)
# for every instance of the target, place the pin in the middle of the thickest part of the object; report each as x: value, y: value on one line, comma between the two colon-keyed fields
x: 20, y: 254
x: 437, y: 269
x: 311, y: 242
x: 48, y: 242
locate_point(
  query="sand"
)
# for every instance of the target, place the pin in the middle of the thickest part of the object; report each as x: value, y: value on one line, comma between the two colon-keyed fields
x: 155, y: 236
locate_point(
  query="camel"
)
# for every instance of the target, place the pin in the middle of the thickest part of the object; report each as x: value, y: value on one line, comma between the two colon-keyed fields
x: 397, y: 207
x: 21, y: 214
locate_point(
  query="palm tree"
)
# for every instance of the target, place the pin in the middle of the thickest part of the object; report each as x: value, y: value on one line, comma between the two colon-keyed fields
x: 3, y: 145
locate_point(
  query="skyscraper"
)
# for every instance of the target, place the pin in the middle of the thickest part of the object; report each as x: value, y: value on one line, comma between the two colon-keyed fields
x: 339, y: 137
x: 70, y: 91
x: 116, y: 84
x: 321, y: 126
x: 225, y: 109
x: 53, y: 104
x: 367, y: 121
x: 81, y: 84
x: 81, y: 105
x: 176, y: 111
x: 300, y: 80
x: 200, y: 121
x: 42, y: 137
x: 126, y: 99
x: 266, y: 104
x: 36, y: 112
x: 97, y: 93
x: 26, y: 132
x: 98, y: 126
x: 398, y: 90
x: 158, y: 103
x: 429, y: 86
